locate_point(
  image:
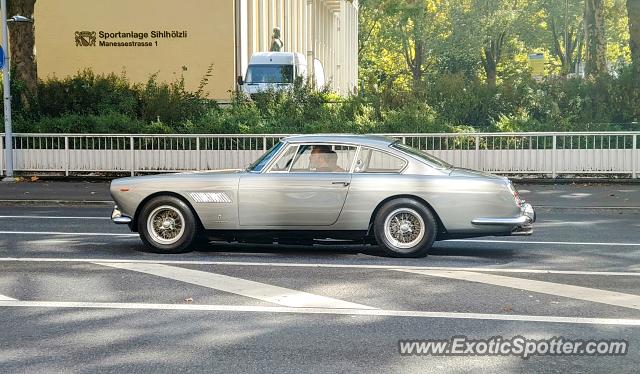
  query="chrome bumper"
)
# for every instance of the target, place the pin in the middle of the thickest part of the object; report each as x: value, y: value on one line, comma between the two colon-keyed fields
x: 119, y: 218
x: 523, y: 223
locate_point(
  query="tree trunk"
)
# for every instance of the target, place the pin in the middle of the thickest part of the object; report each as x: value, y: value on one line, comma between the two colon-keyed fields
x: 417, y: 62
x: 633, y: 11
x: 596, y: 43
x: 22, y: 42
x: 491, y: 55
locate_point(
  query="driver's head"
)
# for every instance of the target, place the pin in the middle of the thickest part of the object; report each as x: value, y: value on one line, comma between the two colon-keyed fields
x: 321, y: 156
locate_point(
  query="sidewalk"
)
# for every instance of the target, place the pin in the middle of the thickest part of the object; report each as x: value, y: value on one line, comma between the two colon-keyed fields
x: 540, y: 195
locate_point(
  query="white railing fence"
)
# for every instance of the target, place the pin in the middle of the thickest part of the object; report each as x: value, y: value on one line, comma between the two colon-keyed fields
x: 550, y: 154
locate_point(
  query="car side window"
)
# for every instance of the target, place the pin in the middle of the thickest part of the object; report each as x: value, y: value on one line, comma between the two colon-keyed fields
x: 374, y: 161
x: 324, y: 158
x: 284, y: 162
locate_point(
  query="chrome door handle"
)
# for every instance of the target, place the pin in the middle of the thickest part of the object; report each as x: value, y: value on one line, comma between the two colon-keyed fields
x: 342, y: 183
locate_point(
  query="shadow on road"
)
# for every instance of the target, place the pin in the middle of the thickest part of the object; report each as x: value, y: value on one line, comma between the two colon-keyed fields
x: 351, y: 250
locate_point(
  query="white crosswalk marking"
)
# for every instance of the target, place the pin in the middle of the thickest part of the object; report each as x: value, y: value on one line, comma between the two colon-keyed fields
x: 326, y: 311
x: 549, y: 288
x: 5, y: 298
x: 261, y: 291
x: 317, y: 265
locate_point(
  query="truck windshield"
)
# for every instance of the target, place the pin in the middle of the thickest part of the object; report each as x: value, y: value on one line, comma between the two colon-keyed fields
x: 270, y: 74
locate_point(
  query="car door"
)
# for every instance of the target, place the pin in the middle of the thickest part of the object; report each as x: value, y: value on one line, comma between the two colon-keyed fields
x: 294, y: 192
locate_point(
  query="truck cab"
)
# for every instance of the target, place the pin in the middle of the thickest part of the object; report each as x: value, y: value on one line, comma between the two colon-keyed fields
x: 277, y: 71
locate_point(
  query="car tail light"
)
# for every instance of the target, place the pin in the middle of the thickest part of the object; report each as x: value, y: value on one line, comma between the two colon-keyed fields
x: 515, y: 193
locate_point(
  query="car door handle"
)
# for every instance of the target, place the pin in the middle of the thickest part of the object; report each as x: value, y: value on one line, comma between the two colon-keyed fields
x: 344, y: 183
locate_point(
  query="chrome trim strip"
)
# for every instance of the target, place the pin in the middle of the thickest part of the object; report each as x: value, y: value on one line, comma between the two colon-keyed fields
x: 527, y: 217
x: 122, y: 220
x: 521, y: 220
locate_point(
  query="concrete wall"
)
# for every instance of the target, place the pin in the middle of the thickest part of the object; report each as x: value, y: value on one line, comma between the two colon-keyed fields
x: 210, y: 38
x: 72, y: 35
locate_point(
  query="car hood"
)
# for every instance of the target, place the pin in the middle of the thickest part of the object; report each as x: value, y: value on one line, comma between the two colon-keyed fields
x: 470, y: 173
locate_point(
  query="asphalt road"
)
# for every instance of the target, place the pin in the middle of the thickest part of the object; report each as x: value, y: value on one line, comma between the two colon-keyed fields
x: 78, y: 294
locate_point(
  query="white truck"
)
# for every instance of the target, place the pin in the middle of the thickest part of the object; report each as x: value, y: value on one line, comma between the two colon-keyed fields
x: 277, y: 71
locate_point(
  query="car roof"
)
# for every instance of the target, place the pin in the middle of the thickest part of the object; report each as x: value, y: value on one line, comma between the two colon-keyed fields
x: 370, y: 140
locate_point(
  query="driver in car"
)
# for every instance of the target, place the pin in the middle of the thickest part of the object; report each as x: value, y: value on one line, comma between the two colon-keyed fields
x: 324, y: 159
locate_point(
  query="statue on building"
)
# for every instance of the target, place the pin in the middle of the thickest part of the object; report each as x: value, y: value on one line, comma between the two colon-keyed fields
x: 277, y: 44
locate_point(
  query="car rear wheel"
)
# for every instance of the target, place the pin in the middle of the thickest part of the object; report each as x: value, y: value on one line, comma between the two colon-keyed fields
x: 405, y: 228
x: 167, y: 225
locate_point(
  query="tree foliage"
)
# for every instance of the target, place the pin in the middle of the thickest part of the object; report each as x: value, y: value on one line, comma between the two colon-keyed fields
x: 484, y: 38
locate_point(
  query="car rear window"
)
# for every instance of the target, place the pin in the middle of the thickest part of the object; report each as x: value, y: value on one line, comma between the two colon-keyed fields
x: 374, y: 161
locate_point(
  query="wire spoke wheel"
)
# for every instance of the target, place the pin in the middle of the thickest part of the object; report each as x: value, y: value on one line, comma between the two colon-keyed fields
x: 404, y: 228
x: 166, y: 224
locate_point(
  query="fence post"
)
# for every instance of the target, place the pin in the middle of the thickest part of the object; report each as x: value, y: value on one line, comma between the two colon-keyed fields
x: 478, y: 152
x: 1, y: 155
x: 198, y: 152
x: 67, y: 156
x: 634, y: 157
x: 264, y: 143
x: 554, y: 156
x: 132, y: 157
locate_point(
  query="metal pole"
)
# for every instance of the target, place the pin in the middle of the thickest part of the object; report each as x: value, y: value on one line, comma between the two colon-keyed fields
x: 554, y: 156
x: 477, y: 152
x: 634, y: 157
x: 8, y: 136
x: 132, y: 156
x: 67, y: 156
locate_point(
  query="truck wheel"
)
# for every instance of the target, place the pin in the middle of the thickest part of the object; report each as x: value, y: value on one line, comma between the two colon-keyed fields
x: 167, y: 225
x: 405, y: 228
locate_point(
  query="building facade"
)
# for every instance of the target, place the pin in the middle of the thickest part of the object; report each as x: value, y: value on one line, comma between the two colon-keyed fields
x: 172, y: 40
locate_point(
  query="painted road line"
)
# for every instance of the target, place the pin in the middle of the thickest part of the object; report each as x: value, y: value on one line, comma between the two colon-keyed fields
x: 66, y: 233
x: 256, y: 290
x: 556, y: 289
x: 536, y: 242
x: 52, y: 217
x: 325, y: 311
x: 6, y: 298
x: 321, y: 265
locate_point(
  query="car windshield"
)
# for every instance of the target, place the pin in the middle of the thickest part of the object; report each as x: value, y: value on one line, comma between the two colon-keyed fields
x: 270, y: 74
x: 429, y: 159
x: 260, y: 163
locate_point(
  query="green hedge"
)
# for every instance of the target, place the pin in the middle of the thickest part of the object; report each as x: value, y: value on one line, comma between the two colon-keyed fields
x: 92, y: 103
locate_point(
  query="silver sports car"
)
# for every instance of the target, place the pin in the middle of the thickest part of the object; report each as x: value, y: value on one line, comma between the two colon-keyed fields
x: 322, y: 188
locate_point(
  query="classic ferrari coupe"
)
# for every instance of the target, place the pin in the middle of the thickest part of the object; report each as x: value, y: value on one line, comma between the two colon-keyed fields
x: 323, y: 188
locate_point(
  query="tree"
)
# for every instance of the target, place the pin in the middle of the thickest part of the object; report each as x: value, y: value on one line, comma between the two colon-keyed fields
x: 565, y: 25
x: 22, y: 42
x: 633, y: 11
x: 595, y: 40
x: 394, y: 31
x: 496, y: 18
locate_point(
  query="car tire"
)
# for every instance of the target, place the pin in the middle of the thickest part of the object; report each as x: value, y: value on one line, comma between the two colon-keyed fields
x: 167, y: 225
x: 405, y: 228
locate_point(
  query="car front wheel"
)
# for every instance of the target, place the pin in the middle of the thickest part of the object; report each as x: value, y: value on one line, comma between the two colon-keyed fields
x: 405, y: 228
x: 167, y: 225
